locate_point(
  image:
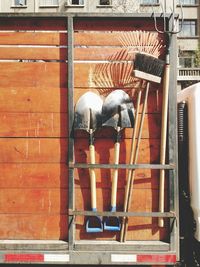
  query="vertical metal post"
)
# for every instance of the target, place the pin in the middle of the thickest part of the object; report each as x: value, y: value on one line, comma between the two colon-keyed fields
x: 173, y: 144
x: 71, y: 200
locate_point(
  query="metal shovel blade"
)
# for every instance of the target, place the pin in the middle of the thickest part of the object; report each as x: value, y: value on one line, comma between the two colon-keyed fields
x: 117, y: 110
x: 88, y: 112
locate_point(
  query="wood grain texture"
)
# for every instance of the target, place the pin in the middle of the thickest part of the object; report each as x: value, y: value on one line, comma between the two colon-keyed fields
x: 112, y: 24
x: 48, y: 175
x: 55, y: 125
x: 40, y: 201
x: 36, y: 99
x: 33, y: 124
x: 33, y: 175
x: 33, y: 38
x: 113, y: 38
x: 54, y: 150
x: 34, y: 74
x: 33, y: 99
x: 33, y: 53
x: 33, y: 150
x: 33, y: 24
x: 33, y: 226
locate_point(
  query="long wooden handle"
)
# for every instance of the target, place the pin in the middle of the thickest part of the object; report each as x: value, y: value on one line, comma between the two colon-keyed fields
x: 92, y: 178
x: 115, y: 177
x: 132, y: 155
x: 163, y: 142
x: 134, y: 158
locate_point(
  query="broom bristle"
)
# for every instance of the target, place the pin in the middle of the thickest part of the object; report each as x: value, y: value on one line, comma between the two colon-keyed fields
x: 150, y: 66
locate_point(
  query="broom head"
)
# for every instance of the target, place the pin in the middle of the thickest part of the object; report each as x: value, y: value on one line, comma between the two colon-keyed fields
x: 148, y: 68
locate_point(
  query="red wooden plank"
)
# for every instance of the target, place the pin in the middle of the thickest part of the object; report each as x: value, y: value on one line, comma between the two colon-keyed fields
x: 112, y: 24
x: 33, y: 74
x: 43, y: 175
x: 47, y: 175
x: 33, y: 201
x: 31, y: 226
x: 33, y: 99
x: 33, y: 150
x: 33, y: 24
x: 33, y: 38
x: 55, y: 125
x: 33, y: 53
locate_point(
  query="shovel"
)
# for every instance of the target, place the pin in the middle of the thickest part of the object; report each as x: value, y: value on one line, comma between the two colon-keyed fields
x: 88, y: 117
x: 117, y: 112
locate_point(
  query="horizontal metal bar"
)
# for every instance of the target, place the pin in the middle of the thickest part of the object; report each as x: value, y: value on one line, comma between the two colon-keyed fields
x: 122, y: 214
x: 122, y: 166
x: 81, y: 14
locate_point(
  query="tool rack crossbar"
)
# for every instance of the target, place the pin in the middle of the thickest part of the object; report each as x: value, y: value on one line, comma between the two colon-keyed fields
x: 123, y: 214
x: 122, y: 166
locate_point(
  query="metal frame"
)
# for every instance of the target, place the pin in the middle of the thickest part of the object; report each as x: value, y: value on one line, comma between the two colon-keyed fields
x: 80, y: 251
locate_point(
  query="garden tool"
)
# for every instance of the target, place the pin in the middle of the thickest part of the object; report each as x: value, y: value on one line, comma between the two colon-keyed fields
x: 88, y: 117
x: 117, y: 112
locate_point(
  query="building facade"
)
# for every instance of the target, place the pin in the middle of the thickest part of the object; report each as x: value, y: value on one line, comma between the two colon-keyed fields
x: 188, y: 67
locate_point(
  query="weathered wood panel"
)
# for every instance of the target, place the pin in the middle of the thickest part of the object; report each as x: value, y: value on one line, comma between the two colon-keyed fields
x: 112, y: 24
x: 36, y: 99
x: 51, y: 201
x: 33, y: 24
x: 47, y: 175
x: 33, y: 38
x: 33, y: 226
x: 33, y: 53
x: 33, y: 175
x: 117, y: 38
x: 34, y: 150
x: 33, y: 201
x: 54, y: 150
x: 55, y: 125
x: 33, y: 100
x: 33, y: 74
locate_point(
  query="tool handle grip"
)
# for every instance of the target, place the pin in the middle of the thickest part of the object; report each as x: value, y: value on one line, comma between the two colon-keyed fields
x: 115, y: 176
x: 92, y: 178
x: 163, y: 142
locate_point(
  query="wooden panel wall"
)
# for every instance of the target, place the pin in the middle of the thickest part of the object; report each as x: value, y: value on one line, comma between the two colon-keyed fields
x: 33, y: 119
x: 33, y: 111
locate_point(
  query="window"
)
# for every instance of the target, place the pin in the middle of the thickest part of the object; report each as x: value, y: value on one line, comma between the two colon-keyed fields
x: 187, y: 2
x: 189, y: 28
x: 76, y: 2
x: 105, y: 2
x: 19, y: 2
x: 187, y: 59
x: 149, y: 2
x: 48, y: 3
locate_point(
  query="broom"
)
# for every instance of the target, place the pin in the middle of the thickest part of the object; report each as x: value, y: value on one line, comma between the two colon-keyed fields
x: 150, y: 69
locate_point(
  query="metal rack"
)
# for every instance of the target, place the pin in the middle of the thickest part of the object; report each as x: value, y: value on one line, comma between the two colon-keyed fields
x: 112, y: 252
x: 80, y: 250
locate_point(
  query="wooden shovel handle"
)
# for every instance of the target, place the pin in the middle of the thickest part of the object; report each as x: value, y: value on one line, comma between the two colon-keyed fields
x: 163, y: 142
x: 115, y: 176
x: 92, y: 177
